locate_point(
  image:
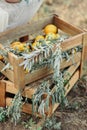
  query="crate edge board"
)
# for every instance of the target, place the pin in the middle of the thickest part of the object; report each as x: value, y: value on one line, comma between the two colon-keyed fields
x: 72, y: 42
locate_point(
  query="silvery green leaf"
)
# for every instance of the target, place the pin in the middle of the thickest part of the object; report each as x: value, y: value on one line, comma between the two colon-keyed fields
x: 7, y: 66
x: 30, y: 55
x: 41, y: 108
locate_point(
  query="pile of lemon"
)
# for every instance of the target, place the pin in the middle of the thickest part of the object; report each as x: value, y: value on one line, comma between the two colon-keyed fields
x: 50, y: 33
x: 19, y: 46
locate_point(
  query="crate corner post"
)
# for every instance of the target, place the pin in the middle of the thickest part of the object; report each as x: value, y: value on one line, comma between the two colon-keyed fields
x: 19, y: 80
x: 83, y: 69
x: 2, y: 93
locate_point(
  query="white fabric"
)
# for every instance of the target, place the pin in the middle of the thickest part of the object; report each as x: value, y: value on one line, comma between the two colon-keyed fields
x: 15, y: 14
x: 3, y: 19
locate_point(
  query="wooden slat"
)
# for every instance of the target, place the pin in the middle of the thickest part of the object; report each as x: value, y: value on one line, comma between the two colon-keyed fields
x: 28, y: 92
x: 10, y: 87
x: 27, y: 108
x: 2, y: 94
x: 66, y: 27
x: 84, y: 56
x: 73, y: 80
x: 68, y: 87
x: 72, y: 42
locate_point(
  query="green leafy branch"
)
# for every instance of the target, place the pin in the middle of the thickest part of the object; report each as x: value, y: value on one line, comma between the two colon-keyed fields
x: 14, y: 110
x: 58, y: 96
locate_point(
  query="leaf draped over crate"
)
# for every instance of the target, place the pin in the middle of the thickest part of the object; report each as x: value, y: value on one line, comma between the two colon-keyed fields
x: 14, y: 111
x: 58, y: 96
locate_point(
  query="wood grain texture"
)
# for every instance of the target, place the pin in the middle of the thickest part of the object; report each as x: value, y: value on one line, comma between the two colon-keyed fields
x: 18, y: 70
x: 72, y: 42
x: 2, y: 94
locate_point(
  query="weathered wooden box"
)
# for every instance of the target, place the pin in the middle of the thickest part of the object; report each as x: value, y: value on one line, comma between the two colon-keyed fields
x: 17, y: 79
x: 17, y: 75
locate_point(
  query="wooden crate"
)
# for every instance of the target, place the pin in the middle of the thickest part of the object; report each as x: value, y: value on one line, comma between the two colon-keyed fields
x: 76, y: 39
x: 10, y: 89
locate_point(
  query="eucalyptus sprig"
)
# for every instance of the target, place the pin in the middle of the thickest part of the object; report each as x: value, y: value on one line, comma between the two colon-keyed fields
x: 14, y: 110
x: 58, y: 96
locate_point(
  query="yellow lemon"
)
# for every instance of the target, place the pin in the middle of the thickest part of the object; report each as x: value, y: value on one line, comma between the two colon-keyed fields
x: 39, y: 37
x: 51, y: 36
x: 34, y: 44
x: 20, y: 47
x: 15, y: 43
x: 50, y: 28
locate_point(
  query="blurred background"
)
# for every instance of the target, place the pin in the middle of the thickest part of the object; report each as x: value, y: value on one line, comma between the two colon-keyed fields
x: 72, y: 11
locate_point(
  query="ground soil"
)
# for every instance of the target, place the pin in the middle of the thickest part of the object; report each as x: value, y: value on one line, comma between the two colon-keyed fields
x: 73, y: 116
